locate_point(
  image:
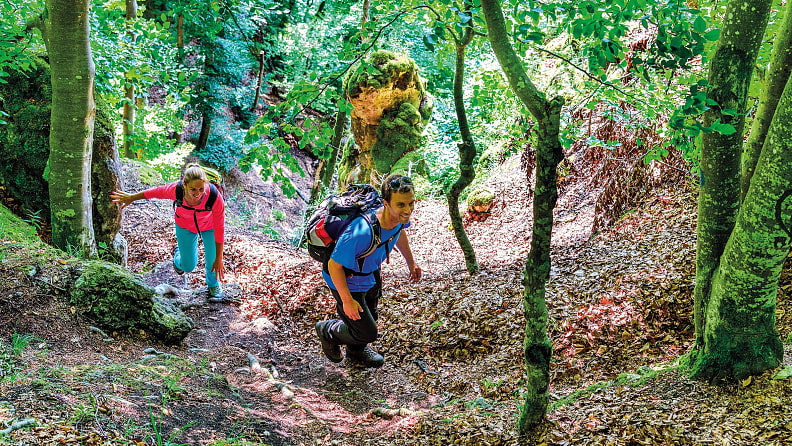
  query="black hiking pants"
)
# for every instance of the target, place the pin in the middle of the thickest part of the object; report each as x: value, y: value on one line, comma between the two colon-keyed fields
x: 356, y: 334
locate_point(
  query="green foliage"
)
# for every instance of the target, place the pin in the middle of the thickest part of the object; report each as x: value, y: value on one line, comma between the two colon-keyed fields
x: 14, y: 56
x: 24, y: 139
x: 225, y: 146
x: 10, y: 352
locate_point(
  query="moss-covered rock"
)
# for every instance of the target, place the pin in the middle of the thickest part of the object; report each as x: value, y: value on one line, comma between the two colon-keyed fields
x: 480, y: 200
x: 120, y: 301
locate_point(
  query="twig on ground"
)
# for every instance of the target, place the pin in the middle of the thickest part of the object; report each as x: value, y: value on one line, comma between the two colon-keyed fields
x: 18, y: 425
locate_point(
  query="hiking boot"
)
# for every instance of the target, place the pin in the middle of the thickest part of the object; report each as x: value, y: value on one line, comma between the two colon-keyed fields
x: 216, y: 294
x: 178, y: 270
x: 366, y: 357
x: 332, y: 351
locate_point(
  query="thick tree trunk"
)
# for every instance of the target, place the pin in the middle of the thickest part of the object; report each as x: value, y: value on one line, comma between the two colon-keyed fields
x: 72, y: 123
x: 740, y: 338
x: 775, y: 80
x: 537, y: 347
x: 719, y: 197
x: 467, y: 156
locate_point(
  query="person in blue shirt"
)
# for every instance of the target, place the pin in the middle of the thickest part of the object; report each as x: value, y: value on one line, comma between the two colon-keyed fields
x: 357, y: 288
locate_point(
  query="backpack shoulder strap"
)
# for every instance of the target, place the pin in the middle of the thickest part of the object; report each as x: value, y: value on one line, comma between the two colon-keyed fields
x: 212, y: 197
x: 179, y: 194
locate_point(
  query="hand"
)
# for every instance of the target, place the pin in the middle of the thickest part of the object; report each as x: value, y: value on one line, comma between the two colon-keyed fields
x: 353, y: 309
x: 415, y: 274
x: 119, y: 196
x: 219, y: 269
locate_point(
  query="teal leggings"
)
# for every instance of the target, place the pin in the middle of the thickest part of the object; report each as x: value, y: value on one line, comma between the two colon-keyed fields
x: 187, y: 258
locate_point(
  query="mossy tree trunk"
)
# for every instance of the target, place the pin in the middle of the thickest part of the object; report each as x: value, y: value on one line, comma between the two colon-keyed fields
x: 467, y: 153
x: 66, y: 31
x: 537, y: 347
x: 742, y: 244
x: 774, y: 81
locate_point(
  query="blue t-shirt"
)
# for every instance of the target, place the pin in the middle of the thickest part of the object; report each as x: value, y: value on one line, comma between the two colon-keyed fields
x: 353, y: 242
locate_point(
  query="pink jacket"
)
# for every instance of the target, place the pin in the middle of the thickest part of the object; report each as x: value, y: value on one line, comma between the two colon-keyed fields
x: 186, y: 219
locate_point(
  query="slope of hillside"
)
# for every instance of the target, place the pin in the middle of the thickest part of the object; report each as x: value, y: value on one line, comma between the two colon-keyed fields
x: 620, y: 304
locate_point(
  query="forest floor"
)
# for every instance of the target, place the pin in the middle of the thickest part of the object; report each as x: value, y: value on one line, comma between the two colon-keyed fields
x: 619, y: 300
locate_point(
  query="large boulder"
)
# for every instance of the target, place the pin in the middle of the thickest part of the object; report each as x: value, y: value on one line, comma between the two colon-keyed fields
x: 121, y: 301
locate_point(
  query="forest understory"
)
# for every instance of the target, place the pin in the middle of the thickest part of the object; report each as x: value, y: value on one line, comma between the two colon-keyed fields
x: 620, y: 304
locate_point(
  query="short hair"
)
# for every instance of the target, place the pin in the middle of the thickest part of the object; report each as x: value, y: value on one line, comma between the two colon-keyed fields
x: 396, y: 183
x: 194, y: 172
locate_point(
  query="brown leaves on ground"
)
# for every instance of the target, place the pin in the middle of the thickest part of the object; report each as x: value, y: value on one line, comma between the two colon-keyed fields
x: 620, y: 307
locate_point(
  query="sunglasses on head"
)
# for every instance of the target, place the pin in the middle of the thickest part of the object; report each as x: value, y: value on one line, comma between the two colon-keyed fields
x: 401, y: 184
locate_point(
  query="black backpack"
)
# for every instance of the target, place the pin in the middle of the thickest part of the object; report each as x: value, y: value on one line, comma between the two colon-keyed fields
x: 329, y: 220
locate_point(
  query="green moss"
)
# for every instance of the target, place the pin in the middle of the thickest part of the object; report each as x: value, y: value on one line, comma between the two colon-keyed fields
x: 12, y: 228
x: 380, y: 69
x: 480, y: 200
x: 399, y: 132
x: 113, y: 296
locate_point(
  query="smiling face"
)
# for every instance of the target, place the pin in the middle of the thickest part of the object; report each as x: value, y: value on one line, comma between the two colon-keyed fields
x: 399, y: 208
x: 194, y: 190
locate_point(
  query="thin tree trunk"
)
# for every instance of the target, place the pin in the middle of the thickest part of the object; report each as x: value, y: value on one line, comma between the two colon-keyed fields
x: 537, y: 347
x: 467, y: 155
x: 259, y: 81
x: 206, y: 129
x: 128, y: 122
x: 72, y: 124
x: 719, y: 197
x: 324, y: 171
x: 775, y: 80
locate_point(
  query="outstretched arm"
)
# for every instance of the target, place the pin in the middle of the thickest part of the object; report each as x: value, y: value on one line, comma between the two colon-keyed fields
x: 125, y: 198
x: 403, y: 245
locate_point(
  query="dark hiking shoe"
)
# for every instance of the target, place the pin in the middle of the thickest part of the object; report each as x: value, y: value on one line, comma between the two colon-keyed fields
x: 366, y: 357
x: 332, y: 351
x: 176, y: 268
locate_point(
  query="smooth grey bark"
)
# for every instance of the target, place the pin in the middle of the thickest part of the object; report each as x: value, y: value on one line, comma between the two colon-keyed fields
x: 66, y: 31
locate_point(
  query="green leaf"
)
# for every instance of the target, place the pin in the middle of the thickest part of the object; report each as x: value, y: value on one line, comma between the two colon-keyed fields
x: 784, y: 373
x: 700, y: 24
x: 713, y: 35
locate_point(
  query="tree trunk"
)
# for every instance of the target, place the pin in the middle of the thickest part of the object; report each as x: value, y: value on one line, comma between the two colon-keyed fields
x: 206, y: 129
x: 719, y: 197
x: 467, y: 155
x: 128, y: 122
x: 775, y: 80
x: 740, y: 338
x: 537, y: 347
x: 106, y: 176
x: 326, y: 168
x: 259, y: 81
x: 72, y: 124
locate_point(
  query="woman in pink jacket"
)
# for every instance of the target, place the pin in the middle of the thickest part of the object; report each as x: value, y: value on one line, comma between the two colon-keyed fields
x: 195, y: 216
